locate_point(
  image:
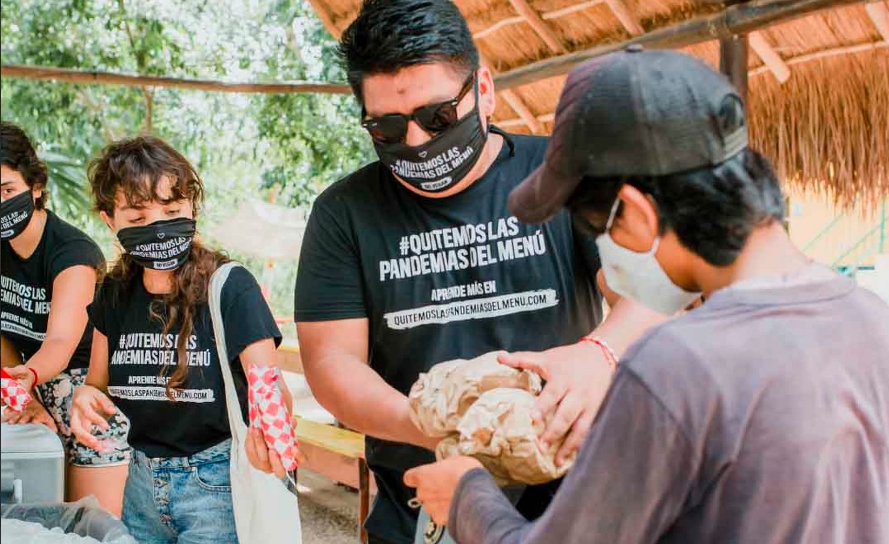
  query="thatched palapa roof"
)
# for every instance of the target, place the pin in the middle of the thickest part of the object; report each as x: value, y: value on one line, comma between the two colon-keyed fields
x: 818, y: 70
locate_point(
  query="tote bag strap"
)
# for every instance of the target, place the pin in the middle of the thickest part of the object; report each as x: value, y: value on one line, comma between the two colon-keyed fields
x: 235, y: 418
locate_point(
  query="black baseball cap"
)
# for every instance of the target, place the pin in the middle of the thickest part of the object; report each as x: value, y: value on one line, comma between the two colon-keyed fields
x: 633, y: 113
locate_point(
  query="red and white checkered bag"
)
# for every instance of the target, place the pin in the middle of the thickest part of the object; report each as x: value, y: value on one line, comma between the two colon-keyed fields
x: 268, y: 412
x: 14, y: 395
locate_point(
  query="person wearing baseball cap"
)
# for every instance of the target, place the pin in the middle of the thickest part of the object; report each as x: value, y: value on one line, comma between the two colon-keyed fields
x: 760, y: 416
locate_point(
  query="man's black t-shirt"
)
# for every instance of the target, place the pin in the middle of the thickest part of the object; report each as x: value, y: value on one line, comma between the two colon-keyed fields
x: 27, y: 286
x: 440, y: 279
x: 141, y: 359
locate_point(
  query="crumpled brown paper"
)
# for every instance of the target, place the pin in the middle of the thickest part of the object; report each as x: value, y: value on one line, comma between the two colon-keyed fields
x: 499, y: 431
x: 483, y: 409
x: 440, y: 397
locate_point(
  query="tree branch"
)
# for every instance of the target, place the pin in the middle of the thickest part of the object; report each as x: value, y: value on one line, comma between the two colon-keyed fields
x: 149, y: 107
x: 140, y: 66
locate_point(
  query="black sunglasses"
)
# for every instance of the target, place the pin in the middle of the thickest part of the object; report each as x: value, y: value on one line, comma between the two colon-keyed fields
x: 433, y: 118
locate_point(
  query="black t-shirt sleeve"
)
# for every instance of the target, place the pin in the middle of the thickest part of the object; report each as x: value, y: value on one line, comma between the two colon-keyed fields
x: 245, y: 314
x: 329, y: 282
x: 96, y: 310
x: 80, y: 251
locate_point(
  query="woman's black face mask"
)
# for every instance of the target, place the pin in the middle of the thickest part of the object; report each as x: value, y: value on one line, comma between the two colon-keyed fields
x: 162, y: 245
x: 15, y: 214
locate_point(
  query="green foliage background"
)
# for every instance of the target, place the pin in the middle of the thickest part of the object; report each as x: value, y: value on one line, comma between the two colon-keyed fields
x: 242, y: 145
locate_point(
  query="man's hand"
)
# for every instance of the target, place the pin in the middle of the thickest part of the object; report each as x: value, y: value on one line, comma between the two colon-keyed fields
x: 577, y: 379
x: 22, y: 375
x: 436, y: 484
x: 34, y: 412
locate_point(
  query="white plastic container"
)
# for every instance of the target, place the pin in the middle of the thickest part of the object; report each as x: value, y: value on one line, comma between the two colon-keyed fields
x: 33, y: 465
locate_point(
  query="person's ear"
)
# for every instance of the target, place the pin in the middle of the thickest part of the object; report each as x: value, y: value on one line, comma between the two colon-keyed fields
x: 637, y: 218
x: 37, y: 192
x: 108, y: 221
x: 487, y: 97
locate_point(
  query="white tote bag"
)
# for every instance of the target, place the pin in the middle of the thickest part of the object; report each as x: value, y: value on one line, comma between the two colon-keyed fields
x: 266, y: 512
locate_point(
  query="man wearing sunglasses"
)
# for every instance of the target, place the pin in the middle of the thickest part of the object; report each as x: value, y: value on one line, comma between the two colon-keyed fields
x: 415, y: 259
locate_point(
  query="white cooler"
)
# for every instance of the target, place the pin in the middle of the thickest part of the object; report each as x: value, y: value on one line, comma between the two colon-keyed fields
x: 33, y: 465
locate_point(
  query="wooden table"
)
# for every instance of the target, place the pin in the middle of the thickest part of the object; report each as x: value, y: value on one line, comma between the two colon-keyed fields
x: 337, y: 454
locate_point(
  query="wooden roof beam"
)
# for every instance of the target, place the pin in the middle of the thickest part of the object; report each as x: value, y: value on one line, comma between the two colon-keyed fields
x: 626, y: 17
x: 736, y: 19
x: 507, y: 123
x: 769, y: 56
x: 518, y: 105
x: 801, y: 59
x: 827, y: 53
x: 570, y: 10
x: 326, y: 18
x: 108, y: 78
x: 538, y: 25
x: 515, y: 101
x: 879, y: 14
x: 546, y: 16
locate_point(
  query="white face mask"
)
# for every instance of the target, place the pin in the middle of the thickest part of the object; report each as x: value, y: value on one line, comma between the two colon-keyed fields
x: 639, y: 276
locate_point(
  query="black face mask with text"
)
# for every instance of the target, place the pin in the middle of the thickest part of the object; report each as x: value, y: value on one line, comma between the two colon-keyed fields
x: 162, y: 245
x: 443, y: 161
x: 15, y: 214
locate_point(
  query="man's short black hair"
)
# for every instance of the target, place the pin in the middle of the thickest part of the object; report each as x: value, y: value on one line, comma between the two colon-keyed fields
x: 390, y: 35
x: 711, y: 210
x: 17, y: 153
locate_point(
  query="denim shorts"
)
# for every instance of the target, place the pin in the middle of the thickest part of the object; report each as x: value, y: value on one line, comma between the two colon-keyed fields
x: 184, y: 500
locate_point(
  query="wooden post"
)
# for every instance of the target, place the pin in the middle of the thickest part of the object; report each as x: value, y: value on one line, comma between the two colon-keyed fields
x: 363, y: 499
x: 733, y: 61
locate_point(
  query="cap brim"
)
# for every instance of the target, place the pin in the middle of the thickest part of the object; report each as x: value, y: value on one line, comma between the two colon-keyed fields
x: 541, y: 195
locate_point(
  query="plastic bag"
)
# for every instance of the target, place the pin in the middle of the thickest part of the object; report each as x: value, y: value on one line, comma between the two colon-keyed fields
x: 83, y: 518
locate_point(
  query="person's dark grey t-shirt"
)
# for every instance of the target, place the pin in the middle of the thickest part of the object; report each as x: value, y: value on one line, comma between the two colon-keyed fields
x: 762, y: 416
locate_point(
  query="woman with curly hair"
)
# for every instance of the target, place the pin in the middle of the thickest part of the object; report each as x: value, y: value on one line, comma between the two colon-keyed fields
x: 154, y: 351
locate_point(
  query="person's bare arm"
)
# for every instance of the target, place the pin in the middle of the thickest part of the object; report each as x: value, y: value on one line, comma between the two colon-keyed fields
x: 72, y: 291
x: 334, y: 355
x: 626, y: 323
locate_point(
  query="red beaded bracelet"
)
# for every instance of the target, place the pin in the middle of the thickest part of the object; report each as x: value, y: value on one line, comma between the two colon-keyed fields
x: 34, y: 372
x: 606, y: 349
